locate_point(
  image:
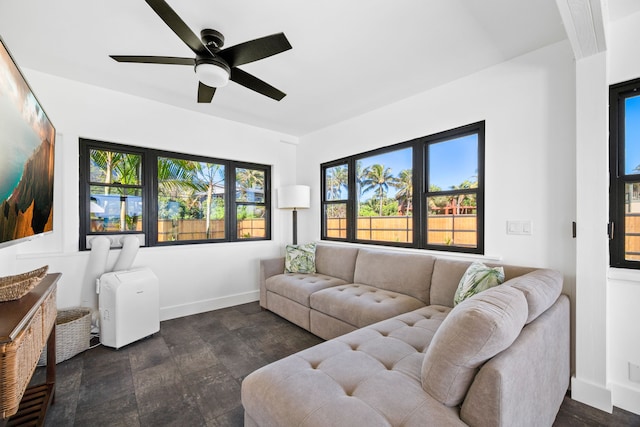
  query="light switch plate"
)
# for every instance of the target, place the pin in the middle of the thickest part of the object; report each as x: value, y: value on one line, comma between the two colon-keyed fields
x: 522, y: 228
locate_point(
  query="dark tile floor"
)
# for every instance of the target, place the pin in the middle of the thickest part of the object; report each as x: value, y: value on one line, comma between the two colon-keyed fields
x: 189, y: 374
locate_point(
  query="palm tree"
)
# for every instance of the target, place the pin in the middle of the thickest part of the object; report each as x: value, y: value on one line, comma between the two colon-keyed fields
x: 249, y: 179
x: 337, y: 179
x: 360, y: 178
x: 176, y: 180
x: 189, y: 179
x: 103, y: 166
x: 175, y: 176
x: 208, y: 177
x: 404, y: 195
x: 460, y: 198
x: 435, y: 203
x: 378, y: 178
x: 114, y: 167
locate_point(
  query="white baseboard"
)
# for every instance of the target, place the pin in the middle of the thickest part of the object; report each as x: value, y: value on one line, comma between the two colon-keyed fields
x: 591, y: 394
x: 626, y: 398
x: 182, y: 310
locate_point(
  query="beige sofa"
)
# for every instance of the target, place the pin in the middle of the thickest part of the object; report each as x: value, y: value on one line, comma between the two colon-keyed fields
x: 398, y: 353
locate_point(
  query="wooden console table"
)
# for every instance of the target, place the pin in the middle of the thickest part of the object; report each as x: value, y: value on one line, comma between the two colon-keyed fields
x: 26, y: 326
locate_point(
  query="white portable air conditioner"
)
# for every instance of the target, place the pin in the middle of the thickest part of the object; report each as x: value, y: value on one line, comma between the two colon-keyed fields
x: 129, y: 305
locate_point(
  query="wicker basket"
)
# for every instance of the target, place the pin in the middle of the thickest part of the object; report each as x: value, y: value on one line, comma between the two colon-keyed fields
x: 15, y: 287
x: 73, y: 333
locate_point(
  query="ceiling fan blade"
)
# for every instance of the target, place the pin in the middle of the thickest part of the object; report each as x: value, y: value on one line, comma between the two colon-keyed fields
x: 251, y: 82
x: 154, y: 59
x: 254, y: 50
x: 171, y: 18
x: 205, y: 93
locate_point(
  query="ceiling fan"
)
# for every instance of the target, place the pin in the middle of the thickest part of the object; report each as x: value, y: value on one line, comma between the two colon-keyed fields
x: 215, y: 66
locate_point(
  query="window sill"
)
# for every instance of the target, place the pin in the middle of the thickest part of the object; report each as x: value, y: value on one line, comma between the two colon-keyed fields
x: 440, y: 254
x: 624, y: 274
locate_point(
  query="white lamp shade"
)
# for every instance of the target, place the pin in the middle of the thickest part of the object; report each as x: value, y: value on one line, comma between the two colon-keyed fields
x: 212, y: 75
x: 294, y: 197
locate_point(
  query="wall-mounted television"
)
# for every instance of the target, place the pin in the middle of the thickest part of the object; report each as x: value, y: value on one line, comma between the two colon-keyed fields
x: 27, y: 140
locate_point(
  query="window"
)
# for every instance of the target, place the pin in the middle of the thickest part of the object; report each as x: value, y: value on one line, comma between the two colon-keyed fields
x: 336, y: 193
x: 170, y: 198
x: 115, y: 187
x: 452, y: 191
x: 624, y: 171
x: 190, y: 200
x: 425, y: 193
x: 384, y: 192
x: 250, y: 203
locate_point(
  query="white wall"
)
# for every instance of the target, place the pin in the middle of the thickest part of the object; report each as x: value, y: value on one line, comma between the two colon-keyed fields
x: 623, y: 289
x: 624, y: 63
x: 529, y: 107
x: 193, y: 278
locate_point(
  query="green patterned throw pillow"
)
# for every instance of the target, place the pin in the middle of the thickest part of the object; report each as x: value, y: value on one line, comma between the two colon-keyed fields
x: 476, y: 279
x: 300, y: 258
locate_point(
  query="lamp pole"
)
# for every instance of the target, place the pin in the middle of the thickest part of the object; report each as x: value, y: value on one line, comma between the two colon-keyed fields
x: 295, y: 226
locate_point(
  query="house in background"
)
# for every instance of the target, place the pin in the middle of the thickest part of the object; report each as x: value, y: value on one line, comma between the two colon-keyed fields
x: 546, y: 115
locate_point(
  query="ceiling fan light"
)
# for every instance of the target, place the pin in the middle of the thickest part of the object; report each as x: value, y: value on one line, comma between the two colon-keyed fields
x: 212, y: 73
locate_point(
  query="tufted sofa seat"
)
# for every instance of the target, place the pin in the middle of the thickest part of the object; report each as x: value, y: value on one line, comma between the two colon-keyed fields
x: 361, y: 305
x: 353, y: 374
x: 290, y: 293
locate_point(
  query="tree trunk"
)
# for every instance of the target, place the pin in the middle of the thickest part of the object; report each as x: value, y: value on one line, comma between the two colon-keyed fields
x: 208, y: 207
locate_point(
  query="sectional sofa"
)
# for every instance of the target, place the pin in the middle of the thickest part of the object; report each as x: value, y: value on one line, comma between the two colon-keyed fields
x: 398, y: 352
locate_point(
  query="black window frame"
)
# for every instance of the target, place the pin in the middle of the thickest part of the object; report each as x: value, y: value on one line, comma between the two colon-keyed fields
x: 472, y: 129
x: 350, y: 164
x: 233, y: 205
x: 618, y: 93
x: 149, y: 186
x: 420, y: 193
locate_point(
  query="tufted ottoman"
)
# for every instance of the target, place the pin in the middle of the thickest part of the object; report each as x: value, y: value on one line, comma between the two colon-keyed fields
x: 347, y: 374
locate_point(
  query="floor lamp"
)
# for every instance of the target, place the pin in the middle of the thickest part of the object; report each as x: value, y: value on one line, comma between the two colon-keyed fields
x: 294, y: 197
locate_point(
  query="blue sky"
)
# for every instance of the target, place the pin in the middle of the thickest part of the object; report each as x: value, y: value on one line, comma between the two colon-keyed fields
x: 450, y: 162
x: 632, y: 134
x: 453, y: 161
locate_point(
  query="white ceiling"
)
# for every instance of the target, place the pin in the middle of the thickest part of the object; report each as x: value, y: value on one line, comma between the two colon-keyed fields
x: 348, y: 57
x: 619, y: 9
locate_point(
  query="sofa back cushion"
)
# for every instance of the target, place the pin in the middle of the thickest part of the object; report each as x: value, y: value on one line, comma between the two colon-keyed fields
x: 541, y: 288
x: 408, y: 274
x: 447, y: 274
x: 474, y: 331
x: 336, y: 261
x: 445, y: 280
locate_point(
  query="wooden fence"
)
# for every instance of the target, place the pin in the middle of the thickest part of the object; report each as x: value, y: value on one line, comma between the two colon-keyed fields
x: 385, y: 228
x: 251, y: 228
x: 337, y: 228
x: 459, y: 230
x: 632, y: 237
x: 195, y: 229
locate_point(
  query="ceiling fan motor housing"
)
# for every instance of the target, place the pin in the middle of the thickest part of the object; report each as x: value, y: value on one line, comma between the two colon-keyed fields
x: 212, y: 39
